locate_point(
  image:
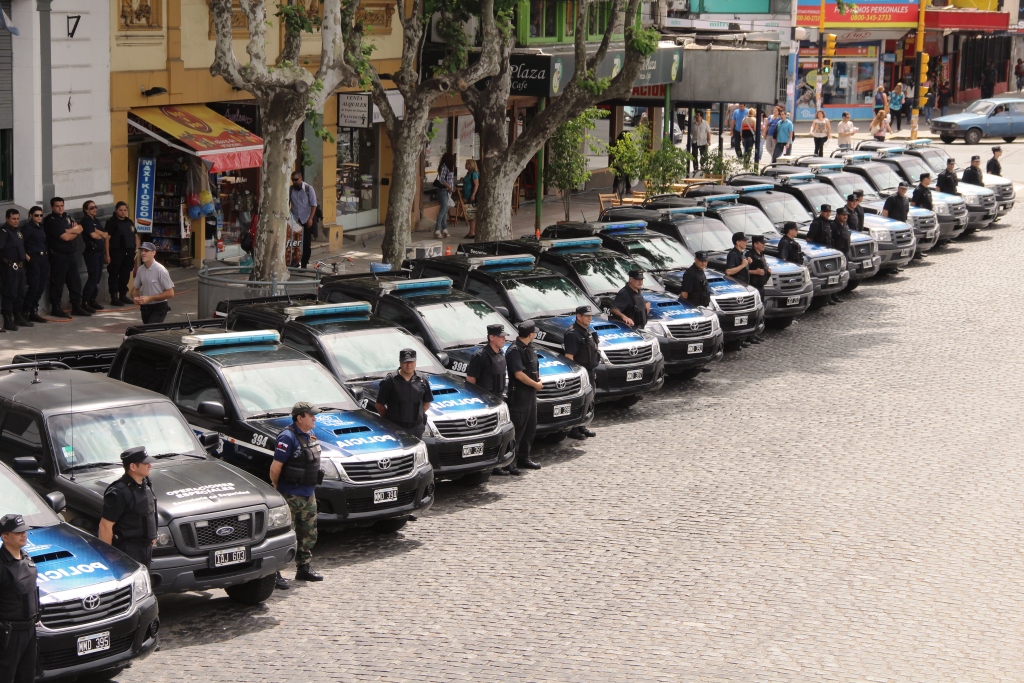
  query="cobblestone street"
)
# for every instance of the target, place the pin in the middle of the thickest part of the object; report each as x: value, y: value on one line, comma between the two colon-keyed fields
x: 840, y: 503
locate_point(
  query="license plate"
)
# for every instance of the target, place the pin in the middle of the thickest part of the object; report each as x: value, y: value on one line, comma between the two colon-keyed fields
x: 868, y: 265
x: 471, y: 449
x: 633, y: 375
x: 562, y: 410
x: 222, y: 558
x: 905, y: 252
x: 792, y: 301
x: 963, y: 221
x: 741, y: 320
x: 97, y: 642
x: 833, y: 279
x: 695, y: 348
x: 385, y: 495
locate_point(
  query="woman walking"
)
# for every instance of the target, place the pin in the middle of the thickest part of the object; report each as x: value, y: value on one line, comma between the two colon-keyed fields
x: 846, y: 131
x: 821, y: 131
x: 747, y: 128
x: 881, y: 100
x: 879, y: 126
x: 470, y: 186
x: 1018, y: 71
x: 896, y: 105
x: 446, y: 180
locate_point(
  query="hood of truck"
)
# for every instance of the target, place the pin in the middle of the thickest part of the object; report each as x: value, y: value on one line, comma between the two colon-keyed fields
x: 452, y: 396
x: 609, y: 333
x: 875, y: 221
x: 815, y: 251
x: 719, y: 284
x: 346, y: 433
x: 67, y: 558
x: 951, y: 199
x: 780, y: 267
x: 670, y: 309
x: 551, y: 364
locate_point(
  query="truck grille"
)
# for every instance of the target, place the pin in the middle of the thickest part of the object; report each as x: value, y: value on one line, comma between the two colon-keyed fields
x: 789, y: 283
x: 545, y: 414
x: 924, y: 222
x: 692, y: 330
x: 470, y: 426
x: 902, y: 237
x: 73, y: 613
x: 372, y: 470
x: 366, y: 504
x: 1005, y: 192
x: 826, y: 266
x: 958, y: 210
x: 559, y: 388
x: 629, y: 356
x: 238, y: 527
x: 989, y: 202
x: 860, y: 250
x: 736, y: 304
x: 68, y: 656
x: 617, y: 379
x: 455, y: 458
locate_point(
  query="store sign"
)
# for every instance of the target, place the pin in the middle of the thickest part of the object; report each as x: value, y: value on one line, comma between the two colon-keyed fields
x: 145, y: 187
x: 354, y: 110
x: 397, y: 103
x: 546, y: 75
x: 664, y: 66
x: 650, y: 91
x: 854, y: 51
x: 864, y: 14
x: 245, y: 115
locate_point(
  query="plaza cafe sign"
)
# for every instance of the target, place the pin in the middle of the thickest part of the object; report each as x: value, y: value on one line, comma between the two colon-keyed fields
x: 541, y: 75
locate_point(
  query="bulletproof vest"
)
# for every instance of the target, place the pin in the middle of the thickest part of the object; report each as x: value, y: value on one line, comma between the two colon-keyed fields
x: 138, y: 523
x: 12, y: 248
x: 637, y: 308
x: 820, y: 232
x: 495, y: 373
x: 758, y: 263
x: 531, y: 366
x: 703, y: 295
x: 841, y: 236
x: 947, y: 182
x: 303, y: 468
x: 793, y: 252
x: 587, y: 356
x: 406, y: 406
x: 20, y: 601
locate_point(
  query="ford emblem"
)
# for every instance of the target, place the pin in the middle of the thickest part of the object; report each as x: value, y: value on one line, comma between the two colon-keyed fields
x: 634, y: 350
x: 471, y: 422
x: 560, y: 383
x: 90, y: 602
x: 384, y: 463
x: 828, y: 266
x: 225, y: 531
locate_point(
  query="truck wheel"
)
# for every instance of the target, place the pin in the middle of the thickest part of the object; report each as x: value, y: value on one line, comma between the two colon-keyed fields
x: 556, y: 437
x: 252, y: 592
x: 389, y: 526
x: 948, y: 139
x: 779, y: 323
x: 629, y: 401
x: 688, y: 373
x: 474, y: 478
x: 973, y: 136
x: 854, y: 284
x: 1010, y: 138
x: 101, y: 676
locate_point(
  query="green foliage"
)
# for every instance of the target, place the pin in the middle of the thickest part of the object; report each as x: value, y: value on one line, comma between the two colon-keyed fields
x: 715, y: 164
x: 566, y: 163
x: 644, y: 40
x: 435, y: 123
x: 629, y: 154
x: 314, y: 117
x: 659, y: 169
x: 845, y: 7
x: 296, y: 19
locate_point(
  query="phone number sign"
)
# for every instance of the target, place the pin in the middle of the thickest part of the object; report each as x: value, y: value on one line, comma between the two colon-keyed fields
x: 865, y: 14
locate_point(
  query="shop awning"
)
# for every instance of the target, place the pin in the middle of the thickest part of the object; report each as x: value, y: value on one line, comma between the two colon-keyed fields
x: 222, y: 144
x: 962, y: 19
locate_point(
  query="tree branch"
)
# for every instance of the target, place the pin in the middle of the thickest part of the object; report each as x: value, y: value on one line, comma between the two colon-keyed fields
x: 225, y: 64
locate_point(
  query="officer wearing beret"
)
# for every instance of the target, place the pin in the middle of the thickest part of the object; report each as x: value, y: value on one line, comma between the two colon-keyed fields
x: 405, y: 396
x: 19, y: 603
x: 922, y: 197
x: 947, y: 180
x: 694, y: 287
x: 580, y: 346
x: 629, y: 305
x: 523, y: 385
x: 737, y: 263
x: 854, y: 219
x: 129, y: 518
x: 972, y: 174
x: 760, y: 273
x: 993, y: 166
x: 487, y: 369
x: 789, y: 248
x: 897, y: 206
x: 820, y: 230
x: 295, y: 473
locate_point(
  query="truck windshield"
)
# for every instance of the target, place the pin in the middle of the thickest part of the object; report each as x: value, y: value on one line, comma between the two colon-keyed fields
x: 883, y: 177
x: 935, y: 158
x: 708, y: 235
x: 374, y: 353
x: 784, y: 207
x: 461, y: 323
x: 609, y: 274
x: 98, y: 437
x: 819, y: 193
x: 659, y: 253
x: 913, y: 168
x: 750, y: 221
x: 16, y: 497
x: 542, y: 297
x: 275, y: 387
x: 848, y: 183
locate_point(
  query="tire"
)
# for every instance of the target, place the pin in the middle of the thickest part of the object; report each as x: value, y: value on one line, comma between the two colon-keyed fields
x: 101, y: 676
x: 973, y: 136
x: 629, y: 401
x: 1009, y: 138
x: 390, y: 526
x: 474, y: 478
x: 819, y: 302
x: 252, y: 592
x: 948, y: 139
x: 854, y: 284
x: 556, y: 437
x: 779, y: 323
x: 687, y: 374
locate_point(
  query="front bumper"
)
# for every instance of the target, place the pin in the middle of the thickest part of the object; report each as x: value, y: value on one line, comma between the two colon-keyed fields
x: 581, y: 413
x: 681, y: 354
x: 864, y: 268
x: 951, y: 227
x: 612, y: 382
x: 825, y: 285
x: 740, y: 325
x: 179, y: 573
x: 446, y: 456
x: 948, y: 132
x: 926, y: 238
x: 895, y: 256
x: 347, y: 504
x: 133, y: 636
x: 780, y: 304
x: 980, y: 216
x: 1005, y: 206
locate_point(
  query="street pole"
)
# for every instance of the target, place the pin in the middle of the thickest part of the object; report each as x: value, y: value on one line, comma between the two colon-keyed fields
x: 918, y: 48
x: 668, y: 113
x: 821, y: 49
x: 539, y: 207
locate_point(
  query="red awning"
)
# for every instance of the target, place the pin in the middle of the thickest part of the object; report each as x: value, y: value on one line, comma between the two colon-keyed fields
x: 222, y: 144
x: 949, y: 18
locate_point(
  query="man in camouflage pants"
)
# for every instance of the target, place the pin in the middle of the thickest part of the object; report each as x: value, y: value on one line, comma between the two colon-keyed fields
x: 295, y: 473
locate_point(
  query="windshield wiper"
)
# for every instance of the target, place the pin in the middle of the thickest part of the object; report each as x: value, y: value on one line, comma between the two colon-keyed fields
x: 364, y: 378
x: 91, y: 465
x: 272, y: 413
x: 334, y: 408
x: 171, y: 455
x: 461, y: 346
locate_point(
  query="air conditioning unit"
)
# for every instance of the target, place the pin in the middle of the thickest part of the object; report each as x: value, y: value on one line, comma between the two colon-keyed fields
x: 664, y: 9
x: 472, y: 28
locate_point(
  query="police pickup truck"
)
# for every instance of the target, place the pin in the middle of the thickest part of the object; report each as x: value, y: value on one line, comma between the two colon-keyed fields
x: 468, y: 430
x: 98, y: 609
x: 453, y: 325
x: 631, y: 360
x: 65, y: 430
x: 690, y: 336
x: 738, y: 307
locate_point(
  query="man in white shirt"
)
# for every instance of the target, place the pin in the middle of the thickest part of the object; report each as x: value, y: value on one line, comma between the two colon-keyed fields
x: 152, y: 287
x: 700, y: 138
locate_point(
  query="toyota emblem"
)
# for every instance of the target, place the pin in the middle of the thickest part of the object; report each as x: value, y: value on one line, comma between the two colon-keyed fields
x: 90, y: 602
x: 694, y: 324
x: 384, y: 463
x: 560, y: 383
x: 634, y: 350
x: 471, y: 422
x: 225, y: 531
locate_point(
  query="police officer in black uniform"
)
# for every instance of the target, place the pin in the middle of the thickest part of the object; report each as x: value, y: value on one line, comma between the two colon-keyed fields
x: 61, y: 234
x: 922, y: 197
x: 129, y: 520
x: 859, y: 194
x: 629, y: 305
x: 19, y: 603
x: 993, y: 166
x: 789, y: 249
x: 853, y: 218
x: 736, y: 262
x: 972, y: 174
x: 580, y: 346
x: 37, y: 268
x: 487, y: 369
x: 405, y: 396
x: 523, y: 385
x: 95, y: 253
x: 897, y: 206
x: 840, y: 240
x: 947, y: 180
x: 820, y: 231
x: 12, y: 272
x: 760, y: 273
x: 694, y: 287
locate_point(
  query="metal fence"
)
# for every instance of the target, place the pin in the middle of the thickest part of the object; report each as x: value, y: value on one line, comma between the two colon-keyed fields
x: 219, y: 283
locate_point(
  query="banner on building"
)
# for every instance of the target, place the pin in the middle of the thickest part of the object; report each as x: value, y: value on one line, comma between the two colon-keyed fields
x: 865, y: 14
x: 145, y: 187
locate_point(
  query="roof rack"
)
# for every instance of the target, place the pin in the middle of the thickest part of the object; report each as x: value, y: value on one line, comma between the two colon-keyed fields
x: 918, y: 143
x: 231, y: 338
x: 570, y: 243
x: 327, y: 309
x: 851, y: 157
x: 415, y: 283
x: 494, y: 261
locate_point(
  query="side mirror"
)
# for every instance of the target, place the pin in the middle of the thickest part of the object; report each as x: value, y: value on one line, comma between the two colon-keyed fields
x: 358, y: 394
x: 28, y: 467
x: 210, y: 441
x: 56, y: 501
x: 443, y: 357
x: 502, y: 310
x: 212, y: 409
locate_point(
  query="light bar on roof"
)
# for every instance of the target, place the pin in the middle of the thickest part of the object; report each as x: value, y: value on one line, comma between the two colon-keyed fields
x: 919, y: 143
x: 231, y: 338
x: 490, y: 261
x: 327, y: 309
x: 680, y: 210
x: 889, y: 150
x: 857, y: 156
x: 571, y: 242
x: 417, y: 283
x: 712, y: 198
x: 622, y: 225
x: 825, y: 167
x: 754, y: 188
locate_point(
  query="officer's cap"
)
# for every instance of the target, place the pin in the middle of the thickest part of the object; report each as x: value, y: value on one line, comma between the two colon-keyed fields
x: 406, y: 355
x: 951, y: 162
x: 137, y: 456
x: 584, y: 310
x: 975, y: 158
x: 304, y: 408
x: 790, y: 225
x: 701, y: 256
x: 636, y: 274
x: 997, y: 148
x: 12, y: 524
x: 842, y: 211
x: 859, y: 193
x: 851, y: 197
x: 826, y: 207
x: 147, y: 246
x: 495, y: 330
x: 757, y: 239
x: 925, y: 175
x: 902, y: 184
x: 526, y: 328
x: 739, y: 237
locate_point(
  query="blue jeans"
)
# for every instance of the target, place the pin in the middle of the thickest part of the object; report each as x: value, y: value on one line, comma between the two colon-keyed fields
x: 927, y: 114
x: 442, y: 211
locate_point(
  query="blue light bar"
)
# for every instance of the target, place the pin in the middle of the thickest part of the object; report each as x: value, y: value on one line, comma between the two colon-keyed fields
x: 573, y: 242
x: 327, y: 309
x: 757, y: 188
x: 418, y: 283
x: 490, y: 261
x: 680, y: 210
x: 231, y: 338
x: 919, y: 143
x: 712, y: 198
x: 800, y: 176
x: 825, y: 167
x: 857, y: 156
x: 624, y: 225
x: 889, y: 150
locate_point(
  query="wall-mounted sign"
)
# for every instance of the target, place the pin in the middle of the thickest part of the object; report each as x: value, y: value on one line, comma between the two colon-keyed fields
x: 865, y: 14
x: 354, y: 110
x: 145, y: 186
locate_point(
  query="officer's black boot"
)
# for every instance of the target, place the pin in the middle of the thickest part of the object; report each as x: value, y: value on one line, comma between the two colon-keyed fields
x: 305, y: 573
x: 21, y: 321
x: 9, y: 324
x: 33, y: 316
x: 78, y: 309
x: 499, y: 472
x: 281, y: 583
x: 589, y: 433
x: 528, y: 465
x: 115, y: 300
x: 513, y: 470
x: 59, y: 312
x: 95, y: 305
x: 577, y: 433
x: 126, y: 301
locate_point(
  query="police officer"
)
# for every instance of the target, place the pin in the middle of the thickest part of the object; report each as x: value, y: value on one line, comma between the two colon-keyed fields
x: 95, y: 254
x: 694, y: 287
x: 760, y: 273
x: 405, y: 396
x: 897, y: 206
x: 12, y: 272
x: 993, y: 166
x: 859, y: 194
x: 37, y: 267
x: 19, y: 603
x: 922, y: 197
x: 972, y: 174
x: 487, y: 369
x: 947, y: 180
x: 736, y: 262
x: 840, y: 240
x: 129, y: 518
x: 295, y: 473
x: 820, y: 231
x: 61, y: 234
x: 580, y: 346
x: 629, y: 305
x: 789, y: 248
x: 853, y: 218
x: 523, y: 385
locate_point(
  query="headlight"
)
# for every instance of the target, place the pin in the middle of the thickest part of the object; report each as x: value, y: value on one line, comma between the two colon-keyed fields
x: 715, y: 325
x: 880, y: 235
x: 584, y: 381
x: 330, y: 469
x: 503, y: 417
x: 604, y: 357
x: 656, y: 329
x: 163, y: 538
x: 714, y: 305
x: 140, y: 584
x: 434, y: 432
x: 972, y: 199
x: 757, y: 298
x: 655, y: 350
x: 807, y: 274
x: 279, y: 517
x: 420, y: 458
x: 941, y: 208
x: 842, y: 262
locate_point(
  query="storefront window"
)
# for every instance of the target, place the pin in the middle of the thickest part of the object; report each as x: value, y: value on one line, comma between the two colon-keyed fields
x: 436, y: 147
x: 467, y: 144
x: 543, y: 19
x: 600, y: 136
x: 853, y: 83
x: 570, y: 18
x: 357, y: 170
x: 238, y: 193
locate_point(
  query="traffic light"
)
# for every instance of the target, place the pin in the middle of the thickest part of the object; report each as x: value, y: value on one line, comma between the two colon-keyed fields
x: 830, y: 45
x: 922, y: 76
x: 826, y: 66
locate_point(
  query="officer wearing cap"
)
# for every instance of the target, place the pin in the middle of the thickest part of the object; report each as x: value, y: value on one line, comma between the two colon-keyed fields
x: 736, y: 262
x: 922, y: 197
x: 840, y: 240
x: 129, y: 518
x: 947, y: 180
x: 853, y: 218
x: 760, y: 273
x: 487, y: 368
x: 523, y: 385
x: 820, y: 230
x: 295, y: 473
x: 789, y: 249
x: 629, y: 305
x: 993, y: 166
x: 405, y: 396
x: 972, y: 174
x: 859, y: 194
x: 694, y: 287
x: 897, y: 206
x: 580, y: 346
x: 12, y: 272
x: 19, y: 603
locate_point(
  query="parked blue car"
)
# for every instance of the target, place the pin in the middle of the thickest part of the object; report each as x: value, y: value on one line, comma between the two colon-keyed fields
x: 995, y: 118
